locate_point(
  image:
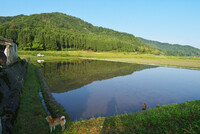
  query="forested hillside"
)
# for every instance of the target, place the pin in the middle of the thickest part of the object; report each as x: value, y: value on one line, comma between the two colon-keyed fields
x: 173, y: 49
x: 57, y: 31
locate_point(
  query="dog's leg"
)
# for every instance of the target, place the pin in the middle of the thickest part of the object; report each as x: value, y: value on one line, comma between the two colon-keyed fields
x: 62, y: 125
x: 62, y: 128
x: 51, y: 129
x: 54, y: 127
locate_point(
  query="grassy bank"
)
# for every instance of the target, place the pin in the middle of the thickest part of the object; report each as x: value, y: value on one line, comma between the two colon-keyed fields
x: 174, y: 118
x: 54, y: 108
x: 31, y: 114
x: 174, y: 61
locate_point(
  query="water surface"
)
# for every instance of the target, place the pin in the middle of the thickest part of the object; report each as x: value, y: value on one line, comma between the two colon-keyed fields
x: 89, y: 88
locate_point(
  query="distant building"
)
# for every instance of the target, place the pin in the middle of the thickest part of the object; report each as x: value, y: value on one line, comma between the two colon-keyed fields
x: 40, y: 55
x: 8, y: 51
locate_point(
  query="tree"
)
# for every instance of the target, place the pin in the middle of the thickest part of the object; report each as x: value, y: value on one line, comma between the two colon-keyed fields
x: 36, y: 45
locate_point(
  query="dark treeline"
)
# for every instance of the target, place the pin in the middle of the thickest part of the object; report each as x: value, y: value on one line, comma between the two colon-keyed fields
x: 173, y: 49
x: 57, y: 31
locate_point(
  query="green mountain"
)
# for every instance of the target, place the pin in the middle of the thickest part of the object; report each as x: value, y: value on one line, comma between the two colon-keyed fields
x: 57, y: 31
x: 173, y: 49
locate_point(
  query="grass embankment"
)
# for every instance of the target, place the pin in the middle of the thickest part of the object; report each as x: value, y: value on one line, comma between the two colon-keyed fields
x: 174, y: 118
x: 31, y: 114
x: 54, y: 108
x: 174, y: 61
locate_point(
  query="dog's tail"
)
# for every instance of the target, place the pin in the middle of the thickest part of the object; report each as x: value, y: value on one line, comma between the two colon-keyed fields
x: 63, y: 118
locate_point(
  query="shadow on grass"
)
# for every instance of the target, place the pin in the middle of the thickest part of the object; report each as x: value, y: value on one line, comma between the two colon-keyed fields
x: 111, y: 124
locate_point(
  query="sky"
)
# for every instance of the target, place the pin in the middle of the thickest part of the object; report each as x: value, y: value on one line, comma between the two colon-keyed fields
x: 171, y: 21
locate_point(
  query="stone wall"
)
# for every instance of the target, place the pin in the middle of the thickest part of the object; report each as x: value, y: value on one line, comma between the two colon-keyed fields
x: 11, y: 83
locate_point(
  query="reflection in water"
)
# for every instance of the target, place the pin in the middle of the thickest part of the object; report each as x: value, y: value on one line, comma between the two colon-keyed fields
x: 65, y: 76
x: 117, y: 88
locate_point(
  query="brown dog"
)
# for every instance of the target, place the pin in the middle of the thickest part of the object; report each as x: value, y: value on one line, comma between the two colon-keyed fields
x: 144, y: 106
x: 56, y: 121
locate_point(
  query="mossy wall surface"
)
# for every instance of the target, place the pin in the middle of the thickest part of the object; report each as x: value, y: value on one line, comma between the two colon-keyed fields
x: 11, y: 83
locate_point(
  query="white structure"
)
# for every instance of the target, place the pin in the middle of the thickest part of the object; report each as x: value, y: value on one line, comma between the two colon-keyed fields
x: 8, y: 51
x: 40, y: 61
x: 40, y: 55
